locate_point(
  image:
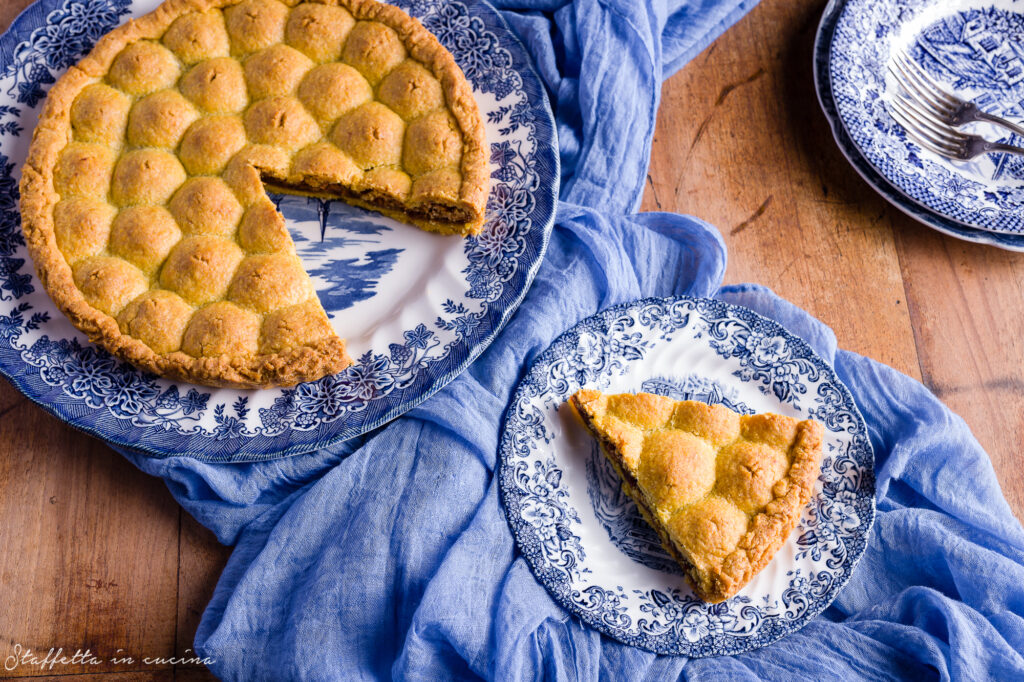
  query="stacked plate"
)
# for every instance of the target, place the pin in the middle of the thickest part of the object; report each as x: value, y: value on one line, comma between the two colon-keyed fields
x: 974, y: 48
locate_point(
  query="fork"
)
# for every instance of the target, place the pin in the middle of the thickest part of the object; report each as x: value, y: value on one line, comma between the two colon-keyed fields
x: 946, y: 106
x: 935, y: 135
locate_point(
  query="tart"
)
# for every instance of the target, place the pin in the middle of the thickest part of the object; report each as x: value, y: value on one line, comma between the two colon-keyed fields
x: 722, y: 490
x: 144, y: 195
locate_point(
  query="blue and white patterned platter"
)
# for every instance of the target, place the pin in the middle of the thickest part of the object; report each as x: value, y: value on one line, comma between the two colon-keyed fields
x: 587, y: 543
x: 968, y: 45
x: 416, y: 308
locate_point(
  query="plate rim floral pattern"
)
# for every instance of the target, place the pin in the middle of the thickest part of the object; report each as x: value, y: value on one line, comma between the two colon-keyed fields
x: 627, y: 329
x: 823, y: 51
x: 512, y: 71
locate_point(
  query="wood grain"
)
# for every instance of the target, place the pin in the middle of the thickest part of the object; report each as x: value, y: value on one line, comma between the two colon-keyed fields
x: 742, y: 143
x: 90, y: 544
x: 98, y: 555
x: 200, y: 561
x: 965, y: 302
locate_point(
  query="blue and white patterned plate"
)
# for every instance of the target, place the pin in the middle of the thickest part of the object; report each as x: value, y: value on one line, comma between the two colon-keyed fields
x: 967, y: 44
x: 587, y: 543
x: 823, y: 84
x: 416, y: 308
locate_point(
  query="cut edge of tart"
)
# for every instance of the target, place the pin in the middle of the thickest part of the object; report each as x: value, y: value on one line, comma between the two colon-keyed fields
x: 722, y: 490
x: 144, y: 196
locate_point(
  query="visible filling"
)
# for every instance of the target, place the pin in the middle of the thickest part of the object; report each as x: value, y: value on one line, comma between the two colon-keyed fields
x: 440, y: 213
x: 631, y: 487
x: 433, y: 212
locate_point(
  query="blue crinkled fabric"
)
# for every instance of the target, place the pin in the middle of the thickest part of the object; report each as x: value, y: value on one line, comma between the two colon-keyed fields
x: 388, y: 556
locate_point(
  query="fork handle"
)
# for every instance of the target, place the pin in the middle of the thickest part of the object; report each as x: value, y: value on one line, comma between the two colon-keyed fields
x: 990, y: 118
x: 1000, y: 147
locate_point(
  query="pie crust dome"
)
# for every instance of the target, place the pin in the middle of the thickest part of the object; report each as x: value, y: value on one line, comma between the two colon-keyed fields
x: 722, y: 490
x: 143, y: 197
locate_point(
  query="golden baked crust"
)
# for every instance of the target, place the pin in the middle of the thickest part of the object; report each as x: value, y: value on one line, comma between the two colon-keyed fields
x: 143, y: 198
x: 722, y: 490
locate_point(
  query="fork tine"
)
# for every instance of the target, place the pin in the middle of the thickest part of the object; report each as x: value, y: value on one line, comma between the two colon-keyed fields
x: 926, y: 84
x: 915, y: 87
x: 913, y: 125
x: 927, y: 78
x: 927, y: 120
x: 923, y: 139
x: 909, y: 84
x: 925, y: 144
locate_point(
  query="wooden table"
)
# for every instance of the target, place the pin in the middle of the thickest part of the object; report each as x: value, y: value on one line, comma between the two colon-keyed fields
x: 97, y: 555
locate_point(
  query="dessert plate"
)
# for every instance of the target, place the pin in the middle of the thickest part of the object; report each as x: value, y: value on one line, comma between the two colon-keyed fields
x: 965, y: 44
x: 415, y: 308
x: 586, y: 541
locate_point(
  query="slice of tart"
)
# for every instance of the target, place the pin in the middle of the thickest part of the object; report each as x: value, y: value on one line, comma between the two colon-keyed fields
x: 722, y: 490
x: 144, y: 195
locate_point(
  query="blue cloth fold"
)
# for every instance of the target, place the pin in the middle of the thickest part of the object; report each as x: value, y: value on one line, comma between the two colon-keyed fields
x: 389, y: 555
